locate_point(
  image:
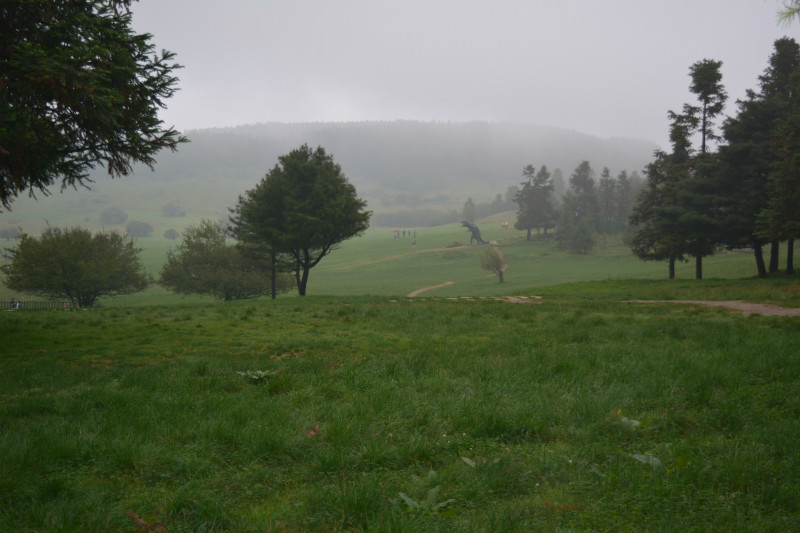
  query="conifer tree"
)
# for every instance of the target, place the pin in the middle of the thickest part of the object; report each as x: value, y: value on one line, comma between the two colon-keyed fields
x: 78, y: 89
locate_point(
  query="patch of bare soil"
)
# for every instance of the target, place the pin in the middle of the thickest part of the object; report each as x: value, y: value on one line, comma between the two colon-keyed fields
x: 425, y: 289
x: 446, y: 283
x: 746, y: 308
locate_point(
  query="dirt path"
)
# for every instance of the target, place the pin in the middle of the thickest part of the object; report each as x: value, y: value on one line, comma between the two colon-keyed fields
x: 746, y: 308
x: 425, y: 289
x: 446, y: 283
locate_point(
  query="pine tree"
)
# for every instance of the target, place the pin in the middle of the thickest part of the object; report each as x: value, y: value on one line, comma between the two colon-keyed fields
x: 78, y: 89
x: 749, y: 155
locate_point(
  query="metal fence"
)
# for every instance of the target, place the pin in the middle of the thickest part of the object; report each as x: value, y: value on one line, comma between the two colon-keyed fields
x: 36, y: 304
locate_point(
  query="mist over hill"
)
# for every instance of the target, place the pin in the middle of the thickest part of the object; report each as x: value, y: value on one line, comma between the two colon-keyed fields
x: 397, y: 165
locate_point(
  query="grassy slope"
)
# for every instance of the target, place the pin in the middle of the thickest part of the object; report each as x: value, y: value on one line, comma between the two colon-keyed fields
x: 372, y: 264
x: 581, y: 412
x: 378, y: 264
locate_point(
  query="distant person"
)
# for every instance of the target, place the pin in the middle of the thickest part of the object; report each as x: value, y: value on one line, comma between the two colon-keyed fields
x: 13, y: 303
x: 414, y: 244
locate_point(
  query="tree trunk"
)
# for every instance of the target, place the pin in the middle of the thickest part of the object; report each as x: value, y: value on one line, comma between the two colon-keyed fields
x: 529, y: 234
x: 301, y: 288
x: 758, y: 252
x: 671, y: 268
x: 790, y: 256
x: 273, y: 275
x: 774, y: 255
x: 500, y: 275
x: 698, y: 267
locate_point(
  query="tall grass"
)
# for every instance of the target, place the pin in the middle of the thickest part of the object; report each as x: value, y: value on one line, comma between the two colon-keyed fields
x: 580, y: 412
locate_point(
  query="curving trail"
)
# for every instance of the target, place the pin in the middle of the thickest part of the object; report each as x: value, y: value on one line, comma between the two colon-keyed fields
x: 425, y: 289
x: 446, y: 283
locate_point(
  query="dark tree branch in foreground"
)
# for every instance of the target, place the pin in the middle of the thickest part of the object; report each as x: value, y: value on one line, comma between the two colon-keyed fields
x: 78, y: 89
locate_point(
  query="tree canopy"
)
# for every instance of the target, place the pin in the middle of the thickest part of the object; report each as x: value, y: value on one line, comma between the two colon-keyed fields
x: 77, y: 265
x: 304, y: 208
x: 78, y: 88
x: 535, y: 200
x: 741, y: 196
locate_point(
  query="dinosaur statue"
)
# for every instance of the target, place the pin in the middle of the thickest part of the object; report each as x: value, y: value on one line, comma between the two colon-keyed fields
x: 475, y: 232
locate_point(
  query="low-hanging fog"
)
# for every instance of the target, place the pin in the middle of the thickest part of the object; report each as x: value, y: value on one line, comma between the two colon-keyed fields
x: 608, y: 68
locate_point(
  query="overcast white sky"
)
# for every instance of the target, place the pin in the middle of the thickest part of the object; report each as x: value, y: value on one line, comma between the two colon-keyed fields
x: 610, y: 68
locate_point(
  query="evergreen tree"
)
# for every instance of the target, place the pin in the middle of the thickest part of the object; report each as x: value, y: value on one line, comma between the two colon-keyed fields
x: 658, y: 235
x: 625, y: 199
x: 524, y: 199
x: 304, y: 208
x: 607, y: 199
x: 780, y: 220
x: 751, y: 150
x: 544, y: 211
x: 707, y: 86
x: 696, y: 194
x: 580, y: 211
x: 78, y: 88
x: 535, y: 200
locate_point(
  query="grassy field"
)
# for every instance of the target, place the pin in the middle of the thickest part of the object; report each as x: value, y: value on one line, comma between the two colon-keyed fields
x: 579, y: 412
x: 359, y: 409
x: 378, y: 264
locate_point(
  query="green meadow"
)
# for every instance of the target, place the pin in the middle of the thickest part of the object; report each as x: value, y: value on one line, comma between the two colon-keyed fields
x: 575, y: 411
x: 379, y: 264
x: 358, y: 408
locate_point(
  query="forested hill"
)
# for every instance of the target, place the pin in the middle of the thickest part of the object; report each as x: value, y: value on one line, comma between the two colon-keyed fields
x: 384, y: 159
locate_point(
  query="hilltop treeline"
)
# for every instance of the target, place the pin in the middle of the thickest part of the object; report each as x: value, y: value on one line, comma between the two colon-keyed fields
x: 401, y: 164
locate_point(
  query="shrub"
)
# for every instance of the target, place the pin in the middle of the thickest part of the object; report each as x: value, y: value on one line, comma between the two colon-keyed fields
x: 113, y: 215
x: 136, y: 228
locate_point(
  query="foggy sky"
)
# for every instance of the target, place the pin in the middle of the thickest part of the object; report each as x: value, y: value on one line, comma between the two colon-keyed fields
x: 610, y: 68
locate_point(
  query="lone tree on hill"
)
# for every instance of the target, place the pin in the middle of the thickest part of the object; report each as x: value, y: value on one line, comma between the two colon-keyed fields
x: 78, y: 88
x: 76, y: 265
x: 304, y: 208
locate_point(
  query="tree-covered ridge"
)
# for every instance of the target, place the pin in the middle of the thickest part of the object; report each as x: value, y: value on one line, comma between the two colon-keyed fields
x: 386, y: 160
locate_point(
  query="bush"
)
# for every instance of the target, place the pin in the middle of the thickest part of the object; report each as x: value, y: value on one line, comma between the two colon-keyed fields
x: 76, y: 265
x: 113, y: 215
x: 173, y: 210
x: 137, y: 228
x: 205, y: 264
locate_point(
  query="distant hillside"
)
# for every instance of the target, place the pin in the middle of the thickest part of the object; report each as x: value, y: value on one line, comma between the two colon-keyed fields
x: 382, y: 158
x: 411, y: 173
